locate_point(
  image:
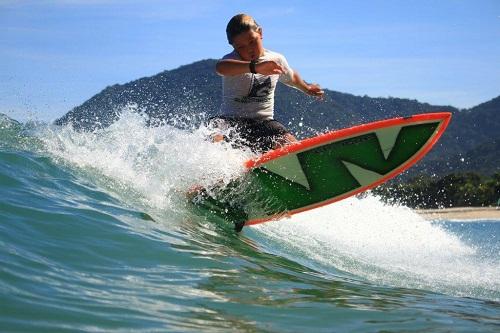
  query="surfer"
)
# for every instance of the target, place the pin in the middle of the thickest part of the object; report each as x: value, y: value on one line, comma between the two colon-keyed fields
x: 249, y: 76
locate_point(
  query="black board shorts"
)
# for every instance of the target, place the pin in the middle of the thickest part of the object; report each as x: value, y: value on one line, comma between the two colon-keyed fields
x: 257, y: 134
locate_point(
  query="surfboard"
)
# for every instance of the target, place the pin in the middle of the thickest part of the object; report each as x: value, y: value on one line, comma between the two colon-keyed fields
x: 324, y: 169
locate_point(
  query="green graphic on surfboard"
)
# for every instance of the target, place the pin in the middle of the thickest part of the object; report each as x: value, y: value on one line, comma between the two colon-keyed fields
x: 324, y: 169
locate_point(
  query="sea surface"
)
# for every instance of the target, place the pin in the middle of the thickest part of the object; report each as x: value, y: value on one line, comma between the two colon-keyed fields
x: 96, y: 236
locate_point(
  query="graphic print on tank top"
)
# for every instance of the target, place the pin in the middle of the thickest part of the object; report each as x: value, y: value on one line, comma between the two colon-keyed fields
x: 260, y: 89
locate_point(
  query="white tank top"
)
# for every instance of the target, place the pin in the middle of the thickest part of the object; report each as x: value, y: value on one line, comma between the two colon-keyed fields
x: 252, y: 95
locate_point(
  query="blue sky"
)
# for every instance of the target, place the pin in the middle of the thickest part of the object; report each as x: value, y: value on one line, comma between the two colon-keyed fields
x: 56, y: 54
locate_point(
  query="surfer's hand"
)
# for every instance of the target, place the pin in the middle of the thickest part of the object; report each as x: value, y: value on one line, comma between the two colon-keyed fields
x: 315, y: 90
x: 268, y: 68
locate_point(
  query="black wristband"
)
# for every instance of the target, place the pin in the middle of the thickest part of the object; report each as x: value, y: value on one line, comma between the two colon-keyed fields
x: 252, y: 67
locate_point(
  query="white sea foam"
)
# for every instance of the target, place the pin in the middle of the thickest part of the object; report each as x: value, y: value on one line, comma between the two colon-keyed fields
x: 384, y: 244
x: 160, y: 163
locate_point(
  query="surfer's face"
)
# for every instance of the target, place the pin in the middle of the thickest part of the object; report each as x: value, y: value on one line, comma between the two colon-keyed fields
x: 248, y: 44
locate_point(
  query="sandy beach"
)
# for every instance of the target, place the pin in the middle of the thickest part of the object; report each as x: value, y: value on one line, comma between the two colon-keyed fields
x: 461, y: 213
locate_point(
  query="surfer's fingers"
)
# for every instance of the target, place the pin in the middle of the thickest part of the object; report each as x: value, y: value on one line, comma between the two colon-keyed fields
x: 315, y: 90
x: 315, y: 86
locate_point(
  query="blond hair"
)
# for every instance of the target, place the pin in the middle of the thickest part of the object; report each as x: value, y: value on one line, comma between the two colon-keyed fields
x: 238, y: 24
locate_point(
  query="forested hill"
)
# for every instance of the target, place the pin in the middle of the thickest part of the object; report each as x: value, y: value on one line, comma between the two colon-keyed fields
x: 194, y: 91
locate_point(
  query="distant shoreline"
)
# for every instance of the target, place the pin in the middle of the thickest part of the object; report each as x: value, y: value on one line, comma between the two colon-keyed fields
x: 461, y: 213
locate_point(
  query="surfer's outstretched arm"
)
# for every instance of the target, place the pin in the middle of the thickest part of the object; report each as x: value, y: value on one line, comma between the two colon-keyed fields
x: 309, y: 89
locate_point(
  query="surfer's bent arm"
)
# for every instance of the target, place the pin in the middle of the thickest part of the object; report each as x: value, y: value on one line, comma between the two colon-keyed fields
x: 231, y: 67
x: 309, y: 89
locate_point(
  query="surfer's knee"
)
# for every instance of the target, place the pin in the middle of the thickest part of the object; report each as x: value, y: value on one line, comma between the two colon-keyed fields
x: 217, y: 137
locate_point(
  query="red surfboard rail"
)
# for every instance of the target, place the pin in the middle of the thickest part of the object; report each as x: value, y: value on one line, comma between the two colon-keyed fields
x: 443, y: 117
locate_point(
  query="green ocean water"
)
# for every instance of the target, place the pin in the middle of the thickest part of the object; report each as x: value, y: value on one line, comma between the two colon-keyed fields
x: 96, y: 236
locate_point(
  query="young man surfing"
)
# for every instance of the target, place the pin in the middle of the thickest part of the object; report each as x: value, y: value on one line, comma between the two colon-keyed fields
x: 250, y: 74
x: 249, y: 77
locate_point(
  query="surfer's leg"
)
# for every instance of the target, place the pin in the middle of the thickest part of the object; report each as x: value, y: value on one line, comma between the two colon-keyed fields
x: 258, y: 135
x: 271, y: 134
x: 233, y: 130
x: 219, y: 126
